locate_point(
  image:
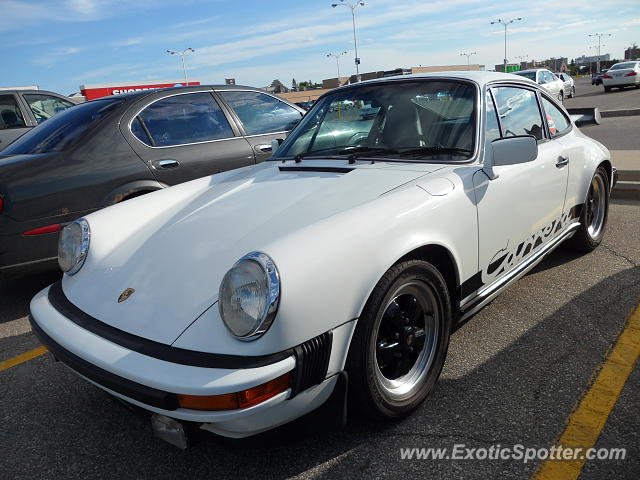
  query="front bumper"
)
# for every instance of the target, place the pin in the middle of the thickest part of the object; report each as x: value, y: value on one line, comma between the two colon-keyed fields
x: 153, y: 384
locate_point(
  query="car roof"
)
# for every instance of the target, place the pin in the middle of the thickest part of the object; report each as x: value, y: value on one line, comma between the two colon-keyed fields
x: 480, y: 77
x: 533, y: 70
x: 30, y: 91
x: 191, y: 88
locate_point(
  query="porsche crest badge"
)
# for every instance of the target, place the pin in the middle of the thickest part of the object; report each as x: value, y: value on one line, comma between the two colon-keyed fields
x: 126, y: 294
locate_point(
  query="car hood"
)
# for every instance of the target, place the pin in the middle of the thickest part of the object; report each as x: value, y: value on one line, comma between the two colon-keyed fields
x: 174, y: 246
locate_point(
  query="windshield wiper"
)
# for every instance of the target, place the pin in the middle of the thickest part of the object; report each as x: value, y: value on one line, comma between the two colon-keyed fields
x: 361, y: 152
x: 434, y: 151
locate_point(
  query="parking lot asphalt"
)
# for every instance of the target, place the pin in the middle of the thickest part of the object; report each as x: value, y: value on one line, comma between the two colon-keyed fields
x: 588, y: 95
x: 513, y: 375
x: 616, y: 133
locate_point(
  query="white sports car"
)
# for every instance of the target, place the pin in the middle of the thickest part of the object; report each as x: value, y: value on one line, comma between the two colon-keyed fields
x: 238, y: 302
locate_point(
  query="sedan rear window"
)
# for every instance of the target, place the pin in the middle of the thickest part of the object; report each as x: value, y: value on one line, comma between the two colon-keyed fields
x: 60, y: 131
x: 529, y: 75
x: 621, y: 66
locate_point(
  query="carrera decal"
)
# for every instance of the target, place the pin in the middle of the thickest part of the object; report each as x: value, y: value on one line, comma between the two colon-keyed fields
x: 505, y: 259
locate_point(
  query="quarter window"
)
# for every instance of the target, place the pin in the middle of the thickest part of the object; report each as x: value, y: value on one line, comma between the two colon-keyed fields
x: 261, y: 113
x: 519, y: 112
x: 183, y: 119
x: 556, y: 120
x: 10, y: 116
x: 46, y: 106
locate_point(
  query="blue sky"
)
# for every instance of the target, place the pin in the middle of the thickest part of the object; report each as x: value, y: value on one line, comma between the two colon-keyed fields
x: 61, y: 44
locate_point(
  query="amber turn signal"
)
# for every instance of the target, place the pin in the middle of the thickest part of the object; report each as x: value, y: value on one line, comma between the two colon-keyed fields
x: 243, y: 399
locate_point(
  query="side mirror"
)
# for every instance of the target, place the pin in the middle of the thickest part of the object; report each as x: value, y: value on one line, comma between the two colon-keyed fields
x: 509, y: 151
x: 275, y: 144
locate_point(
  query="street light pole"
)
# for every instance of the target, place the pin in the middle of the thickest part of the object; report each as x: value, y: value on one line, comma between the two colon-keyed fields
x: 182, y: 54
x: 468, y: 55
x: 599, y: 35
x: 505, y: 24
x: 337, y: 57
x: 353, y: 7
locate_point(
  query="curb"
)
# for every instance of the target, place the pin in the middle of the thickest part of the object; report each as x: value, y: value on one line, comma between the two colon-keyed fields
x: 625, y: 112
x: 626, y: 190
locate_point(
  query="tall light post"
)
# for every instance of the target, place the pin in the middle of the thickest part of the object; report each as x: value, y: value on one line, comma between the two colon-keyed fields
x: 353, y: 7
x: 505, y: 24
x: 337, y: 57
x: 599, y: 35
x: 468, y: 55
x: 182, y: 54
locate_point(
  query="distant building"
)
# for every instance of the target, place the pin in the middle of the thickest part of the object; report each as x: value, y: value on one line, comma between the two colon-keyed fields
x: 334, y: 82
x: 592, y: 59
x: 511, y: 67
x: 230, y: 81
x: 276, y: 87
x: 632, y: 53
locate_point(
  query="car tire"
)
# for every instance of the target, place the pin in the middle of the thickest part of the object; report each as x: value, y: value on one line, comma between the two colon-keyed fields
x: 594, y: 214
x: 572, y: 93
x: 409, y: 308
x: 607, y: 89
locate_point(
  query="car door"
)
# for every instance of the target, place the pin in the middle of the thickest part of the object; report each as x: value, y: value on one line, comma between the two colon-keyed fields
x: 263, y: 118
x: 13, y: 123
x: 521, y: 208
x: 186, y: 135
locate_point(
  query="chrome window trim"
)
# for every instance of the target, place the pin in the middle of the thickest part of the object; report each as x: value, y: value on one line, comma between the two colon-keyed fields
x: 139, y: 111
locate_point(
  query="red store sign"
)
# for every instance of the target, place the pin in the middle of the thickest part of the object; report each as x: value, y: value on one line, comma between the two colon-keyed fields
x: 94, y: 91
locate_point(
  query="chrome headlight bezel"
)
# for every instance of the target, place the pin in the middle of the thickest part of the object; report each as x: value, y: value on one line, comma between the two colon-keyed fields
x: 77, y: 250
x: 268, y: 314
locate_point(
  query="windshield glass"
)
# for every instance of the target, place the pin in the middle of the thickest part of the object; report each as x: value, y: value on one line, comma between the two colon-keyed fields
x: 63, y: 129
x: 620, y: 66
x: 428, y: 119
x: 529, y: 75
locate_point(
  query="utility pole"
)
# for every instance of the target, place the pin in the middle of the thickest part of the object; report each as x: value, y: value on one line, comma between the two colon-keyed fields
x: 468, y: 55
x: 505, y: 24
x: 182, y: 54
x: 353, y: 7
x: 337, y: 57
x: 599, y: 35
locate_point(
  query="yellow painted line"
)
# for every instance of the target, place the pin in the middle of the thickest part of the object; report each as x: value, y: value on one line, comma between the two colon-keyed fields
x: 589, y: 418
x: 23, y: 357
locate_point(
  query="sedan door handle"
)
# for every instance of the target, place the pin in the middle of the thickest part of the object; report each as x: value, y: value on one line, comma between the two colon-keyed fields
x: 562, y: 161
x: 166, y: 164
x: 263, y: 148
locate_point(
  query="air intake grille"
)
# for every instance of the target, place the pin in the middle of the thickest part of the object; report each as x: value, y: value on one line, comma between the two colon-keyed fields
x: 312, y: 362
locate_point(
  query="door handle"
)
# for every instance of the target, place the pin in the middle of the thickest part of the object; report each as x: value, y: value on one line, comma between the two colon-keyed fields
x: 562, y: 161
x: 166, y: 164
x: 263, y: 148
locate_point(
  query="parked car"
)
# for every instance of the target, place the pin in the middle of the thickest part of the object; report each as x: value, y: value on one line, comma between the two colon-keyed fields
x: 21, y: 110
x: 621, y: 75
x: 112, y: 149
x: 596, y: 78
x: 569, y: 84
x: 546, y: 80
x: 236, y: 302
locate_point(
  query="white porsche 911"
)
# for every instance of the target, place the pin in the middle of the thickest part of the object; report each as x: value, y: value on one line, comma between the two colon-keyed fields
x: 238, y: 302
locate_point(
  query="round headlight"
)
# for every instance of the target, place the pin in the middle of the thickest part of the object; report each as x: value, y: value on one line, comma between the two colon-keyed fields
x: 73, y: 246
x: 249, y: 296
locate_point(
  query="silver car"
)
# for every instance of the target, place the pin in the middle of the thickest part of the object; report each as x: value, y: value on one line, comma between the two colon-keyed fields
x: 569, y: 85
x: 546, y: 80
x: 623, y: 74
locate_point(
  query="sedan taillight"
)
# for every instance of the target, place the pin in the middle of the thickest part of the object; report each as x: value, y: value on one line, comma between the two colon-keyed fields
x: 1, y: 203
x: 607, y: 76
x: 632, y: 74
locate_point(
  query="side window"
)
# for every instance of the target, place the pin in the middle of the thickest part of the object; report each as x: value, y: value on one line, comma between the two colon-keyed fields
x: 182, y: 119
x: 557, y: 121
x: 10, y: 116
x: 492, y: 130
x: 519, y: 112
x: 261, y: 113
x: 46, y: 106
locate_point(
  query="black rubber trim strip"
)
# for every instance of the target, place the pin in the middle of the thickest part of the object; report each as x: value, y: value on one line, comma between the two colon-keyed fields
x: 142, y: 393
x: 155, y: 349
x: 316, y: 169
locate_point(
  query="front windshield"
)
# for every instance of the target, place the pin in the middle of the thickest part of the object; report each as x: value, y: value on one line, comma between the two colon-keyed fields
x: 529, y: 75
x: 63, y: 129
x: 411, y: 120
